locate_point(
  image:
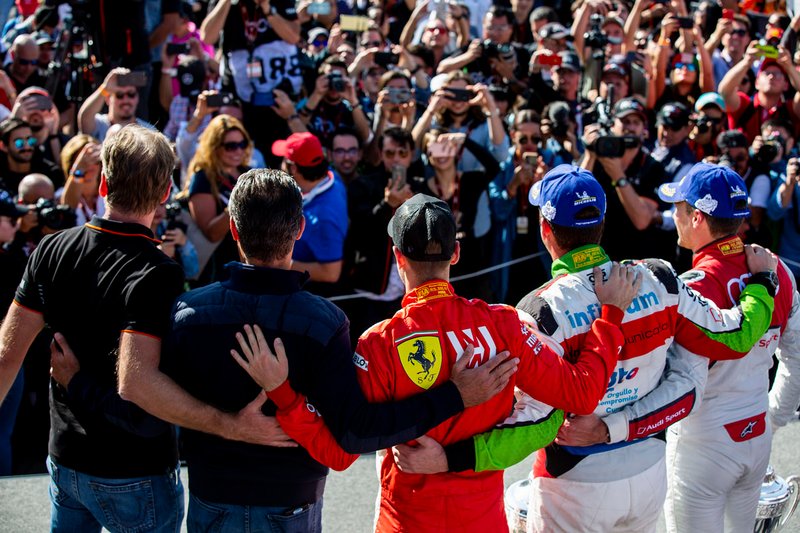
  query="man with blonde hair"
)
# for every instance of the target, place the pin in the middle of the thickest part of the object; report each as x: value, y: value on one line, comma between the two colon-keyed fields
x: 107, y: 288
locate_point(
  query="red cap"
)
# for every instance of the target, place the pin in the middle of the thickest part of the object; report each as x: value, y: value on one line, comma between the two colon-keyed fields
x: 302, y: 149
x: 770, y: 62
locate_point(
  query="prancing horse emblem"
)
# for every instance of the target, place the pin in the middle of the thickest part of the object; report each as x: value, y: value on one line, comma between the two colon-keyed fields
x: 418, y: 356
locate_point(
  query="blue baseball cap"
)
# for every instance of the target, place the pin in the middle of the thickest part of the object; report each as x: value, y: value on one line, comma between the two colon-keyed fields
x: 713, y: 189
x: 564, y: 191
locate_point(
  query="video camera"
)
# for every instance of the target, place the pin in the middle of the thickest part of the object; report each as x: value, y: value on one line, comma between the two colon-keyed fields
x: 174, y: 210
x: 608, y: 144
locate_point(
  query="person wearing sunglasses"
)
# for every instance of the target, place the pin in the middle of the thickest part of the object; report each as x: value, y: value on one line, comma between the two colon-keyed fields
x: 681, y: 77
x: 122, y: 101
x: 734, y: 36
x: 24, y: 67
x: 20, y: 156
x: 708, y: 121
x: 221, y: 157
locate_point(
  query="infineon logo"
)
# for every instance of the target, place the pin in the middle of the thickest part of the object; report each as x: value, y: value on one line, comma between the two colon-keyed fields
x: 585, y: 318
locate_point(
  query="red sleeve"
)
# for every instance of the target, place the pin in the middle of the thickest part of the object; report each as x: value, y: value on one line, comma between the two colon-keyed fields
x: 302, y: 423
x: 574, y: 387
x: 744, y: 102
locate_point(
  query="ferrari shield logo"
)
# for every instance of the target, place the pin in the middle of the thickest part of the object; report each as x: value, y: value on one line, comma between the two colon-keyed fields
x: 421, y: 356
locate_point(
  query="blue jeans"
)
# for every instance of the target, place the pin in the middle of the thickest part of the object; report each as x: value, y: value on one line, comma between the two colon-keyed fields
x: 80, y: 502
x: 8, y: 416
x: 224, y: 518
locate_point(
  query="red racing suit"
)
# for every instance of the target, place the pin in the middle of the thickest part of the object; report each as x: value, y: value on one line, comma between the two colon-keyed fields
x: 415, y: 350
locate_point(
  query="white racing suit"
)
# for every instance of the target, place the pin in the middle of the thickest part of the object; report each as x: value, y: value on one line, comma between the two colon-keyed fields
x: 717, y: 457
x: 621, y: 486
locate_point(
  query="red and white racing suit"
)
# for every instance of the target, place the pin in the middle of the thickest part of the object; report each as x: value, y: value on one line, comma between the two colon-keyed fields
x: 621, y: 486
x: 717, y: 457
x: 415, y: 350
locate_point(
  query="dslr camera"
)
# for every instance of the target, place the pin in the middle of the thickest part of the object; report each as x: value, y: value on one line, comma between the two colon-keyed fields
x: 767, y: 152
x: 174, y: 209
x: 54, y: 216
x: 491, y: 49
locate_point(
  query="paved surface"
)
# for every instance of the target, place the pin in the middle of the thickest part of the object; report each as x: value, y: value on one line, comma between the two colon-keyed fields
x: 349, y: 497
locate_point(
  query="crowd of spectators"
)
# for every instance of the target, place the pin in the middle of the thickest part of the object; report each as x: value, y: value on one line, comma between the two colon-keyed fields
x: 366, y: 103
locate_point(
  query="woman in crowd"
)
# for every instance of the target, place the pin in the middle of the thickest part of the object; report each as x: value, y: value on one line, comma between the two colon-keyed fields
x: 222, y: 155
x: 80, y: 161
x: 466, y: 193
x: 460, y: 107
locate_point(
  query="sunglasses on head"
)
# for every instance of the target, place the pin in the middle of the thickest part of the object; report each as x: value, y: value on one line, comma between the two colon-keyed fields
x: 524, y: 139
x: 233, y: 146
x: 28, y: 62
x: 129, y: 94
x: 19, y: 143
x: 688, y: 66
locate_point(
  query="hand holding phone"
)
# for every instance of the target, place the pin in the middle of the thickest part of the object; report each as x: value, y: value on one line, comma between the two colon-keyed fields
x: 135, y: 78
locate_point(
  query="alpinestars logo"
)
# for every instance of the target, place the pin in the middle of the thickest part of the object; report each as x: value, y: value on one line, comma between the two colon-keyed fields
x: 748, y: 429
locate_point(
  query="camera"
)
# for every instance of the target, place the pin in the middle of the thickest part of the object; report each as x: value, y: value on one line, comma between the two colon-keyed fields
x: 768, y: 151
x: 492, y: 49
x: 336, y: 82
x: 399, y: 96
x: 595, y: 38
x: 384, y: 59
x: 53, y: 216
x: 611, y: 146
x: 704, y: 123
x: 174, y: 210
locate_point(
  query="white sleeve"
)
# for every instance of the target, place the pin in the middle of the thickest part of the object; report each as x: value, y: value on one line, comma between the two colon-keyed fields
x: 760, y: 190
x: 785, y: 393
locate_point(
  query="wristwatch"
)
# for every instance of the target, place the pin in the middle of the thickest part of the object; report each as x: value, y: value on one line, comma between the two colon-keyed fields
x: 622, y: 182
x: 78, y: 174
x: 767, y: 278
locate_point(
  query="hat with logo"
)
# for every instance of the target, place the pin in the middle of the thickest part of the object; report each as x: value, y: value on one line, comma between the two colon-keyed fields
x: 707, y: 99
x: 715, y: 190
x: 564, y: 192
x: 629, y: 105
x: 302, y: 149
x: 616, y: 65
x: 569, y: 60
x: 315, y: 33
x: 423, y: 229
x: 673, y: 115
x: 553, y: 30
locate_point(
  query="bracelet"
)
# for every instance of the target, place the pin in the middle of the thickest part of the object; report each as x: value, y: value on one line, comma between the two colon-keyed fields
x: 292, y: 117
x: 169, y: 71
x: 356, y: 106
x: 664, y: 42
x: 104, y: 91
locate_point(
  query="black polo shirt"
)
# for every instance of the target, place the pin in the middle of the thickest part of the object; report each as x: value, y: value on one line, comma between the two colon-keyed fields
x: 92, y: 283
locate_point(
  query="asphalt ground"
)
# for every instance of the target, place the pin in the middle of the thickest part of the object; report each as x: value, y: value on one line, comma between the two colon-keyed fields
x: 349, y: 501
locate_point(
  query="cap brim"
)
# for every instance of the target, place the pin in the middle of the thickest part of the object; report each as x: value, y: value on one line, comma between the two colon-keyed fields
x: 280, y: 148
x: 534, y: 194
x: 670, y: 193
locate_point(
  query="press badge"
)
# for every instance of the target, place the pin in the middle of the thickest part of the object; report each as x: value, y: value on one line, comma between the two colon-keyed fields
x: 255, y: 70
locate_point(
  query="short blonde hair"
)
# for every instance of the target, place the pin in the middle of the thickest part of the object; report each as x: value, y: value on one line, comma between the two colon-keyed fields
x: 137, y: 164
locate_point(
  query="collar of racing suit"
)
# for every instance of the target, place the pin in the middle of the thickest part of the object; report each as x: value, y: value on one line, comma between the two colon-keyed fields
x: 718, y: 249
x: 430, y: 290
x: 588, y: 256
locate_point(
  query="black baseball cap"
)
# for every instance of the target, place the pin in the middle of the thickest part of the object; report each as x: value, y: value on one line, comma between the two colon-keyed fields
x: 732, y: 139
x: 11, y: 209
x: 674, y: 115
x: 629, y: 105
x: 420, y: 221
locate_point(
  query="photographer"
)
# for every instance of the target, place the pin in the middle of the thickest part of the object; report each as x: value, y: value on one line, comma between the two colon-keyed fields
x: 784, y: 207
x: 688, y: 75
x: 630, y: 177
x: 735, y: 38
x: 191, y: 75
x: 461, y: 107
x: 774, y: 78
x: 566, y: 75
x: 496, y: 57
x: 396, y: 106
x: 333, y: 104
x: 21, y: 157
x: 174, y: 243
x: 35, y: 106
x: 707, y: 122
x: 80, y: 161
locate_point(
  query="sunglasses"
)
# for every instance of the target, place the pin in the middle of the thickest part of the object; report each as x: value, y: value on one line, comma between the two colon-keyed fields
x: 129, y: 94
x: 19, y: 143
x: 320, y: 42
x: 345, y: 151
x: 233, y: 146
x: 28, y: 62
x: 688, y: 66
x: 524, y: 139
x: 739, y: 33
x: 402, y: 152
x: 371, y: 44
